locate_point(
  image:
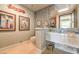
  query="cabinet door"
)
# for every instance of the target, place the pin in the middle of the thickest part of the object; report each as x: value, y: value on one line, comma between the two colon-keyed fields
x: 40, y: 41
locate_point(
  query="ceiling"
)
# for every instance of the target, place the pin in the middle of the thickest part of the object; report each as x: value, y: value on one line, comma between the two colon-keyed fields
x: 36, y: 7
x: 62, y: 6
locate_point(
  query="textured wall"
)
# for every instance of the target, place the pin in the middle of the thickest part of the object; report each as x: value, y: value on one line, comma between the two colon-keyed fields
x: 44, y: 15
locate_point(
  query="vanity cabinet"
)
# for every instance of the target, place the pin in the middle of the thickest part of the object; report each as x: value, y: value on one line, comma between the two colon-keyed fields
x: 41, y: 37
x: 64, y: 42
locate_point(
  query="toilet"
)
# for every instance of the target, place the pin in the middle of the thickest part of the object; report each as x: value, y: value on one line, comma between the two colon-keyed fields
x: 33, y: 40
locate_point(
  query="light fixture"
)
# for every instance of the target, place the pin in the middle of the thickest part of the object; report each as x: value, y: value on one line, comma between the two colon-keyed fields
x: 65, y: 9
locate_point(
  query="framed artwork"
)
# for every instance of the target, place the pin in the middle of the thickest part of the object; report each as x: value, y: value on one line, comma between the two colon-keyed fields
x: 53, y: 22
x: 24, y: 23
x: 7, y: 21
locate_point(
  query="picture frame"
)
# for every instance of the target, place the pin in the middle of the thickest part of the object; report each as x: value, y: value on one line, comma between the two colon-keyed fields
x: 24, y: 23
x: 7, y: 21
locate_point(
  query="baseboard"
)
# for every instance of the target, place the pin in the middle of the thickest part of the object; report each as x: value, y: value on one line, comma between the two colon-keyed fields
x: 12, y: 45
x: 9, y: 46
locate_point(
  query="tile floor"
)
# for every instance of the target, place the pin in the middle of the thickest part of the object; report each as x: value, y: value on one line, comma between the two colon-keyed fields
x: 55, y: 51
x: 26, y: 47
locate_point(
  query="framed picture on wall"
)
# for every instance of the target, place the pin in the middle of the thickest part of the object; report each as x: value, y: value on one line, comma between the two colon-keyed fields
x: 24, y: 23
x: 53, y: 22
x: 7, y: 21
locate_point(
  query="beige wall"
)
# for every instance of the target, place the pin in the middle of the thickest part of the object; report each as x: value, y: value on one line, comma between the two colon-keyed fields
x: 10, y: 37
x: 77, y: 16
